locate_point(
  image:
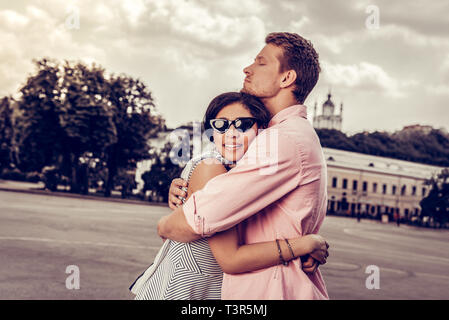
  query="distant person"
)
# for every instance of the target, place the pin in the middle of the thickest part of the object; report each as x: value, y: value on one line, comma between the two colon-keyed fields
x: 397, y: 218
x: 290, y: 202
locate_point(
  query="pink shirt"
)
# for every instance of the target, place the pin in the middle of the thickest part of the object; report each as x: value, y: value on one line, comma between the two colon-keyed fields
x: 280, y: 188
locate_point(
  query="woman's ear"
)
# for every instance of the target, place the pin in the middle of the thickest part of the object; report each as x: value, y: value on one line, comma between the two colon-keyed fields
x: 288, y: 78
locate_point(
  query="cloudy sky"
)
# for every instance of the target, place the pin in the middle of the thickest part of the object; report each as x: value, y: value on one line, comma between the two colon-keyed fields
x: 389, y: 72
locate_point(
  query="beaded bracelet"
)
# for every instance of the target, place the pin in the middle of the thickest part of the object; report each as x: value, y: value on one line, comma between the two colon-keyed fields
x: 281, y: 259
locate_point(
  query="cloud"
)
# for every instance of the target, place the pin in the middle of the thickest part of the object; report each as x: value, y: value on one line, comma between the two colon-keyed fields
x: 440, y: 89
x: 13, y: 20
x: 410, y: 36
x: 189, y: 21
x: 364, y: 76
x: 188, y: 51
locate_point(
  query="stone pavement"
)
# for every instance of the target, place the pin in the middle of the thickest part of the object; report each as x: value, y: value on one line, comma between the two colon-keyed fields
x: 113, y: 242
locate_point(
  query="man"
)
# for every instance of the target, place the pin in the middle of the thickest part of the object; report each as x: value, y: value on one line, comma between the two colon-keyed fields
x: 288, y: 201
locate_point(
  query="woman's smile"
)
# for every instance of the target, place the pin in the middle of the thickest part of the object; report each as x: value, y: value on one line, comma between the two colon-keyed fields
x: 233, y: 146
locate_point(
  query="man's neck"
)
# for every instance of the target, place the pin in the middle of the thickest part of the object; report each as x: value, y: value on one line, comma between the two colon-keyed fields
x: 278, y: 103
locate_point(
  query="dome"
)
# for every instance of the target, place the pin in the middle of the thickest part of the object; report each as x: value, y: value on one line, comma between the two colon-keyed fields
x: 329, y: 102
x: 328, y: 119
x: 328, y: 106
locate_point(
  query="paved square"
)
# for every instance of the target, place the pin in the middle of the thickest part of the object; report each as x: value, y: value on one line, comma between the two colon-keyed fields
x: 112, y: 243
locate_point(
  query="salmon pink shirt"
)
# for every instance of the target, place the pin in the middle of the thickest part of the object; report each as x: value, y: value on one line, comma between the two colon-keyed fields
x: 278, y: 190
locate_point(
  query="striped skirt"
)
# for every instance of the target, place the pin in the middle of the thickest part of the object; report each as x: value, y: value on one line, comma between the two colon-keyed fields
x: 181, y: 271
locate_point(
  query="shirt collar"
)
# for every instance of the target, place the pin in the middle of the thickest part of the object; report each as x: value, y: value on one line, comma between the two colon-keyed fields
x: 298, y: 110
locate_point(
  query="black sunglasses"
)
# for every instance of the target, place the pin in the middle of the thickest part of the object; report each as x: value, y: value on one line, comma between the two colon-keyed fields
x: 242, y: 124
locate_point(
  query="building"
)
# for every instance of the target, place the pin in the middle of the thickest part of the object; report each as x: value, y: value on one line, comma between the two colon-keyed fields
x: 328, y: 119
x: 372, y: 185
x: 417, y: 128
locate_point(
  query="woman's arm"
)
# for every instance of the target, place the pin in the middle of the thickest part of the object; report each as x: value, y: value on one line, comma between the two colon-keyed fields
x: 235, y: 258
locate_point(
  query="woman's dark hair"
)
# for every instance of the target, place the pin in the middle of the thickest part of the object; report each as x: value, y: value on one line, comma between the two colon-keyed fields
x: 251, y: 103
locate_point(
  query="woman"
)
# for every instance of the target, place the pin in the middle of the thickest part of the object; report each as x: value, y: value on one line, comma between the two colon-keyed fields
x: 194, y: 270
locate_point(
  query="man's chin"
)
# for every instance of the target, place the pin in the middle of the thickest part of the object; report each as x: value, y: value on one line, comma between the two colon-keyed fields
x: 248, y: 91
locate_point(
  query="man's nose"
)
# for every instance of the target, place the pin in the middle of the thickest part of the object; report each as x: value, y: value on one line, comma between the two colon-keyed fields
x: 247, y: 70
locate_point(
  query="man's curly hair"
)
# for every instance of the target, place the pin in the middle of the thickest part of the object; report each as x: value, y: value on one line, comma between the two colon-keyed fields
x: 298, y: 55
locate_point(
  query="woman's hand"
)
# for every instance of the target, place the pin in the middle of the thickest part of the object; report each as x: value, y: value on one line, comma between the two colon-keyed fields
x: 175, y: 192
x: 309, y: 264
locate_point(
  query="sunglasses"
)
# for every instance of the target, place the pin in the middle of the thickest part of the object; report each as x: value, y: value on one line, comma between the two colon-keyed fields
x: 242, y: 124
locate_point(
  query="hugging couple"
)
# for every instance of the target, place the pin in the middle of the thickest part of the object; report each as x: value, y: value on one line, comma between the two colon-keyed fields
x: 239, y: 230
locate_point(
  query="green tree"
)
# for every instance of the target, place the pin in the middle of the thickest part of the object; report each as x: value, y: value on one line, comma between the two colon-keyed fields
x: 38, y: 135
x: 74, y: 119
x: 330, y: 138
x: 86, y: 117
x: 161, y: 173
x: 6, y: 133
x: 436, y: 204
x: 64, y: 117
x: 135, y: 120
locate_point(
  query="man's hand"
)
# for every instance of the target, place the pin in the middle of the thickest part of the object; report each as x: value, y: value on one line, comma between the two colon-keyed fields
x: 175, y: 191
x: 310, y: 262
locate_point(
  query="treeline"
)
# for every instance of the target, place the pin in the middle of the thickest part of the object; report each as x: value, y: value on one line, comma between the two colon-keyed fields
x: 74, y: 125
x: 417, y: 146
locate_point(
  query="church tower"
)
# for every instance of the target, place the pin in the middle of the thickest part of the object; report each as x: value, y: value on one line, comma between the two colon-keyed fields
x: 328, y: 118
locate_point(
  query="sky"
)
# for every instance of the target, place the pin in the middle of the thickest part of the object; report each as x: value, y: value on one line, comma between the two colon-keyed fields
x: 386, y: 61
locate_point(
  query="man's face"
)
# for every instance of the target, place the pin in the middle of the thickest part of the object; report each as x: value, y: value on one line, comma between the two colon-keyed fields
x: 263, y: 77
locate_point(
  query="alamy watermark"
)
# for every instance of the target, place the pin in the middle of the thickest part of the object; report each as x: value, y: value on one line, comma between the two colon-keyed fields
x: 73, y: 19
x: 72, y: 282
x: 263, y: 151
x: 372, y: 22
x: 373, y: 280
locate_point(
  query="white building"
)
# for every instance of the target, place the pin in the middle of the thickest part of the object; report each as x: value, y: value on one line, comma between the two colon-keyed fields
x: 372, y: 185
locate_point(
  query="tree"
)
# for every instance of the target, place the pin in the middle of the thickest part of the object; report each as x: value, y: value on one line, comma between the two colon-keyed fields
x: 330, y: 138
x: 73, y: 116
x: 436, y: 204
x: 38, y: 134
x: 64, y: 117
x: 86, y: 117
x: 161, y: 173
x: 126, y: 180
x: 6, y: 133
x: 135, y: 120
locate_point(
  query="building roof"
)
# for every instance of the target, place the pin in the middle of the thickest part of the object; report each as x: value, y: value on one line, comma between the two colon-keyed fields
x: 376, y: 164
x: 329, y: 102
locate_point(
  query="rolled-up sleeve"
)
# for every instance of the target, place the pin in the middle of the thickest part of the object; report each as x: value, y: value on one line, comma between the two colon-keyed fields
x: 269, y: 170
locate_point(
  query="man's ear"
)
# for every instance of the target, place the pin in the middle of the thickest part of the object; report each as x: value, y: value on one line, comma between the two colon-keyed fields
x: 288, y: 78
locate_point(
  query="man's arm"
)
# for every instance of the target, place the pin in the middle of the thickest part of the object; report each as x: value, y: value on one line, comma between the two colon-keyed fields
x: 175, y: 227
x: 255, y: 183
